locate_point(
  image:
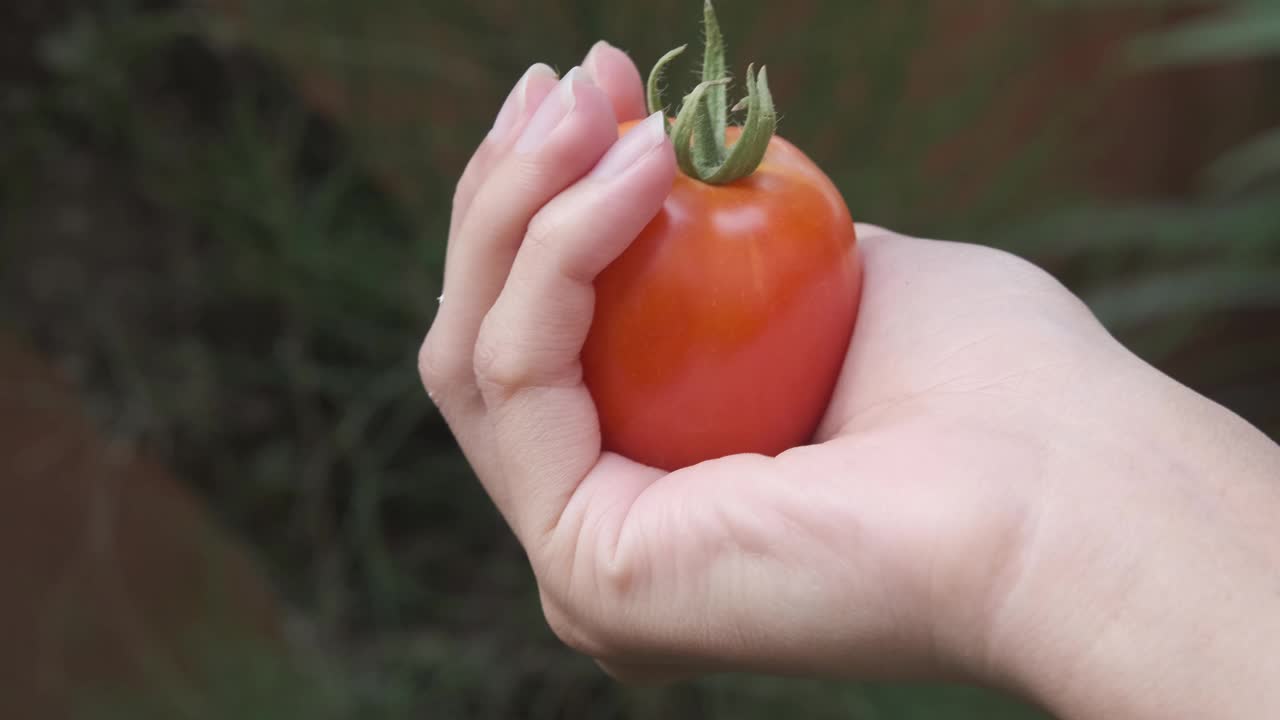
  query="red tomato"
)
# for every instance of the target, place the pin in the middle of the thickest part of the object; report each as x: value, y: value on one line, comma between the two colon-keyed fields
x: 722, y: 329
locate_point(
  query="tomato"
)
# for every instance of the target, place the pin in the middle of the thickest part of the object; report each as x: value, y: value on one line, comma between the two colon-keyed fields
x: 723, y: 328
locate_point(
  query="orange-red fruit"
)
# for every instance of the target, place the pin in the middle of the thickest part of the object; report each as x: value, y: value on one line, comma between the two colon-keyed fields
x: 722, y: 329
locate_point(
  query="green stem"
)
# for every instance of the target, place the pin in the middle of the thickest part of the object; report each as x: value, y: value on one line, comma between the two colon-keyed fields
x: 762, y: 122
x: 655, y: 80
x: 699, y: 132
x: 693, y: 115
x: 711, y: 131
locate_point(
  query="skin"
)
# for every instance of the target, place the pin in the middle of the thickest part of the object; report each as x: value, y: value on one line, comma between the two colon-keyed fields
x: 999, y: 492
x: 722, y: 327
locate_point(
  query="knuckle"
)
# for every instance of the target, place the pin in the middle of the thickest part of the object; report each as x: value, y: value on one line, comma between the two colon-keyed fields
x: 439, y: 369
x: 617, y: 576
x: 1006, y: 261
x: 430, y: 367
x: 1021, y: 270
x: 565, y: 253
x: 564, y: 627
x: 497, y: 366
x: 1024, y: 277
x: 571, y: 627
x: 593, y: 610
x: 542, y: 231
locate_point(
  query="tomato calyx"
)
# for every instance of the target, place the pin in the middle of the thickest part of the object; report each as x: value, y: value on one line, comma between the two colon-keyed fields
x: 698, y: 133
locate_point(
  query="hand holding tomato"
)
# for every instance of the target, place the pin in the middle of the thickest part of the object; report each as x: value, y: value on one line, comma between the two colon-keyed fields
x: 996, y: 491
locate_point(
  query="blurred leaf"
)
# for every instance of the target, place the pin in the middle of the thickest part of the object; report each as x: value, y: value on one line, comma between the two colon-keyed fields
x: 1240, y: 228
x: 1247, y: 30
x: 1249, y: 165
x: 1179, y: 295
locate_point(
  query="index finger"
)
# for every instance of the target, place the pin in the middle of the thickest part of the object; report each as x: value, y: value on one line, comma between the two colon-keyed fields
x: 618, y: 76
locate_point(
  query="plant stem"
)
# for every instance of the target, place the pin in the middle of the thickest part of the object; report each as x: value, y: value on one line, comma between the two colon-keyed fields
x: 699, y: 132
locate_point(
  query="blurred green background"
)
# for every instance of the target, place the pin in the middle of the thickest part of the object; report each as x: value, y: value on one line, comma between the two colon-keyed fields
x: 226, y: 221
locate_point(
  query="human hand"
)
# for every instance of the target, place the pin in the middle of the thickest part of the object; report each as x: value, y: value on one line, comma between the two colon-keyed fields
x: 987, y: 442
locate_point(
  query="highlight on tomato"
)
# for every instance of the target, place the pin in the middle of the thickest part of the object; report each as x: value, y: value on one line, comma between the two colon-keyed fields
x: 723, y: 328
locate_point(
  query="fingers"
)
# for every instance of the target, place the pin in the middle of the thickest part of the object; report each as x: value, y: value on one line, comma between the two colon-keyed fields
x: 525, y: 98
x: 527, y: 354
x: 610, y: 68
x: 606, y: 67
x: 617, y: 75
x: 539, y: 323
x: 559, y: 143
x: 553, y: 146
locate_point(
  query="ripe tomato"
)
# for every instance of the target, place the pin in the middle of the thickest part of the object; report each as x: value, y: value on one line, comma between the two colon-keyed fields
x: 722, y: 329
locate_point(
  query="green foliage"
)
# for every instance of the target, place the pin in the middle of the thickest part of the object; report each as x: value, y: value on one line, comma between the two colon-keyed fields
x: 1162, y: 276
x: 1246, y: 29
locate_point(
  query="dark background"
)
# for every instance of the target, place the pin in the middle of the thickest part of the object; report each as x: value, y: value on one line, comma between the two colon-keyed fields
x: 222, y: 230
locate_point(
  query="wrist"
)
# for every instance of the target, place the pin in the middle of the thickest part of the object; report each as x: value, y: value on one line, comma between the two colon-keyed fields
x: 1148, y: 585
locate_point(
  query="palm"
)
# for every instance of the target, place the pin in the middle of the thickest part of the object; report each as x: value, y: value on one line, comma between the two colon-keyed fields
x: 911, y: 488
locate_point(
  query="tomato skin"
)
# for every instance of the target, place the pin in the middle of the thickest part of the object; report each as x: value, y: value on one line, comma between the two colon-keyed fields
x: 722, y: 329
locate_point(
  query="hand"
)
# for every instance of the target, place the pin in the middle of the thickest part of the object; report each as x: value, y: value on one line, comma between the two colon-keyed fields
x: 988, y: 443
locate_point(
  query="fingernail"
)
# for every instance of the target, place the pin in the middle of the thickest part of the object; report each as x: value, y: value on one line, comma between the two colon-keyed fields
x: 593, y: 57
x: 643, y: 137
x: 555, y: 108
x: 514, y: 106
